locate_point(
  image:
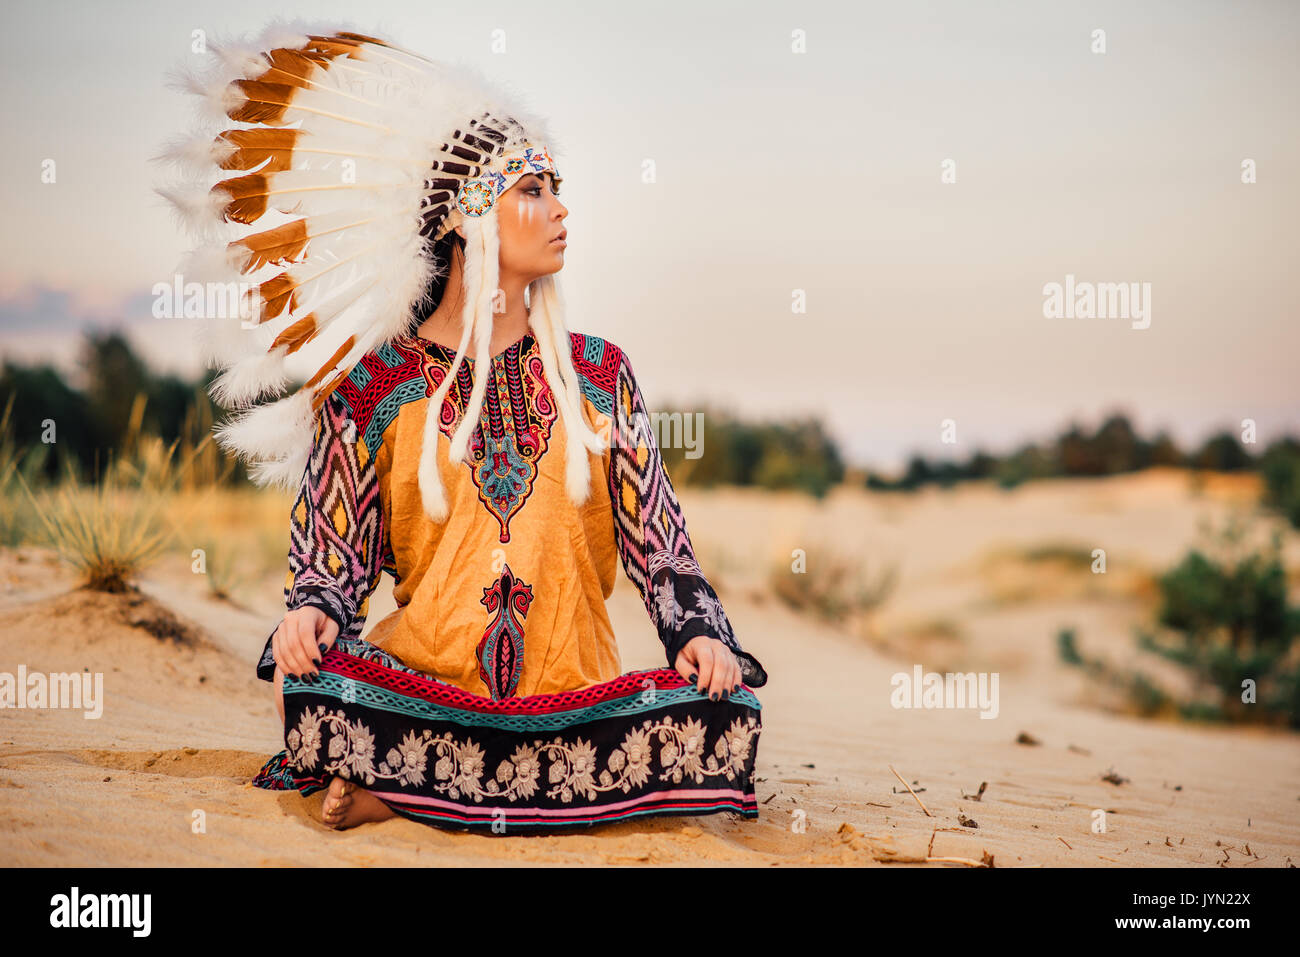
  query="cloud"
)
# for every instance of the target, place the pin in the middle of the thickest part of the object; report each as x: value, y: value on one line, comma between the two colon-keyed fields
x: 40, y: 323
x: 36, y: 306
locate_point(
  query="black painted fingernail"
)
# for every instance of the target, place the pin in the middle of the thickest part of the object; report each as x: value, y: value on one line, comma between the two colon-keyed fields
x: 694, y: 677
x: 713, y: 696
x: 316, y: 662
x: 323, y: 649
x: 737, y: 688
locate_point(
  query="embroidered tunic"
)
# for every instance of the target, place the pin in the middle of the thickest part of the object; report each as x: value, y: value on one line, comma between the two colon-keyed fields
x: 506, y: 598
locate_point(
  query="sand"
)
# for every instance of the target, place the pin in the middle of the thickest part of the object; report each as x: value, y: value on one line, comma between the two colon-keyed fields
x: 186, y: 723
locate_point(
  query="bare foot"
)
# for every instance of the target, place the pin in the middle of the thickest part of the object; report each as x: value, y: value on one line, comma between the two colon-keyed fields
x: 347, y: 805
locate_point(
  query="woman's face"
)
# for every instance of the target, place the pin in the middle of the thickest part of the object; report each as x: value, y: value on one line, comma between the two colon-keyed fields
x: 531, y: 223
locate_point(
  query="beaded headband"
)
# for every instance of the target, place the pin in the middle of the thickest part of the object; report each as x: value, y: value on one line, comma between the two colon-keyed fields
x: 479, y: 196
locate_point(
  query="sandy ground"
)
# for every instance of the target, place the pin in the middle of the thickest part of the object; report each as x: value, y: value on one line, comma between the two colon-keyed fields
x: 186, y: 723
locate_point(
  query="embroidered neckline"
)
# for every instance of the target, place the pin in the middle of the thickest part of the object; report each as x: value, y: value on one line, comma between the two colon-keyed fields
x: 514, y: 425
x: 450, y: 353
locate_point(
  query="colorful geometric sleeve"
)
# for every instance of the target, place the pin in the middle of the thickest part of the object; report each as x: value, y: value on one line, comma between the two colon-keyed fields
x: 336, y: 544
x: 652, y: 540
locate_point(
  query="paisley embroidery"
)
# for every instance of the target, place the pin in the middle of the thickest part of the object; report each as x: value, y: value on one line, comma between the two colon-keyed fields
x: 514, y: 426
x: 501, y: 651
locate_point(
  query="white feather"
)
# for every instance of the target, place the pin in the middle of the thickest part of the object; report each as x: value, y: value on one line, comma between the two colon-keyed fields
x: 272, y: 432
x: 389, y: 111
x: 250, y: 379
x: 482, y: 242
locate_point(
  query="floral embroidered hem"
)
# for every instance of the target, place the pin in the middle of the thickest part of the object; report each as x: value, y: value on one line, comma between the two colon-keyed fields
x: 646, y: 742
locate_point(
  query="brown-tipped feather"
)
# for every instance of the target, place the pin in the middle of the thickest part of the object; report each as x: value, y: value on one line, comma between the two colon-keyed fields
x: 360, y: 38
x: 278, y: 293
x: 333, y: 361
x: 318, y: 398
x: 263, y: 102
x: 255, y: 147
x: 297, y: 335
x: 281, y: 245
x: 247, y: 195
x: 292, y: 67
x: 334, y: 46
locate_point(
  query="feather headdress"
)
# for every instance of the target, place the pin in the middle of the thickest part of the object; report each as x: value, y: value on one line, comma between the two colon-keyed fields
x: 317, y: 216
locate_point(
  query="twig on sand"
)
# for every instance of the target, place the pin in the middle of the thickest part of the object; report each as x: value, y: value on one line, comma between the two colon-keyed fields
x: 987, y: 860
x: 954, y: 860
x: 978, y: 795
x: 930, y: 848
x: 911, y: 792
x: 1065, y: 842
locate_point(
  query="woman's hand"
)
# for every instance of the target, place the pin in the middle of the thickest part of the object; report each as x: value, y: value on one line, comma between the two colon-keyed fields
x: 304, y: 635
x: 710, y: 663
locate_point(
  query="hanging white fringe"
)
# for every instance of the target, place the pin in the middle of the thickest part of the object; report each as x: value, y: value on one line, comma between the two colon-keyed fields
x: 546, y: 317
x: 431, y: 491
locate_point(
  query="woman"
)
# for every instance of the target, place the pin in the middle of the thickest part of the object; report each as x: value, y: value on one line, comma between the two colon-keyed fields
x: 493, y: 697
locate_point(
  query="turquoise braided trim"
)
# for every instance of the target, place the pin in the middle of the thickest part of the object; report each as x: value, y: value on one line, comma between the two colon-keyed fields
x: 382, y: 699
x: 387, y: 408
x: 390, y: 356
x: 593, y: 351
x: 602, y: 400
x: 360, y: 376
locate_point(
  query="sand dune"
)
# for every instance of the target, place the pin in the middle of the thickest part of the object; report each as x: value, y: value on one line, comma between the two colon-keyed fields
x: 186, y: 724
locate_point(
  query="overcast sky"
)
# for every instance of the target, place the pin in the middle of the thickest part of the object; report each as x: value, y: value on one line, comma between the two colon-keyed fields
x: 779, y: 171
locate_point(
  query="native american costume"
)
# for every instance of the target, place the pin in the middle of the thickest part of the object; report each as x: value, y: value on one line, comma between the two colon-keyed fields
x: 493, y: 697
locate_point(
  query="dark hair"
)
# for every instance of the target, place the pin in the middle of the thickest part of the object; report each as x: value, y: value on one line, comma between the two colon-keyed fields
x: 441, y: 253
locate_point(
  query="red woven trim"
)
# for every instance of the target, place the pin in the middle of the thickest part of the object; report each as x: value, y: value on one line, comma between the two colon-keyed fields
x: 442, y: 693
x: 603, y: 375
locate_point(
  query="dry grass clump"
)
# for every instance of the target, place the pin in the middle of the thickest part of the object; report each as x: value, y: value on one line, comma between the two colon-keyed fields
x: 112, y: 528
x: 834, y: 586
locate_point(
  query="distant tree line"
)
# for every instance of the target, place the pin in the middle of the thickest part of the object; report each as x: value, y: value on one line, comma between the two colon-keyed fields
x: 797, y: 454
x: 92, y: 419
x: 1112, y: 449
x: 89, y: 420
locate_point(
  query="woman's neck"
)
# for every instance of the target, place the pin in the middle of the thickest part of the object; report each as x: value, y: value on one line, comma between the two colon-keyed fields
x: 445, y: 325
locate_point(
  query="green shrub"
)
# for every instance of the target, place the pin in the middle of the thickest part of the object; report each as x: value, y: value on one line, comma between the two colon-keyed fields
x: 1227, y: 623
x: 1280, y: 466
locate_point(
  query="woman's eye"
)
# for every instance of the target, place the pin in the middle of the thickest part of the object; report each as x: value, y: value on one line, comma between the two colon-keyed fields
x: 535, y: 190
